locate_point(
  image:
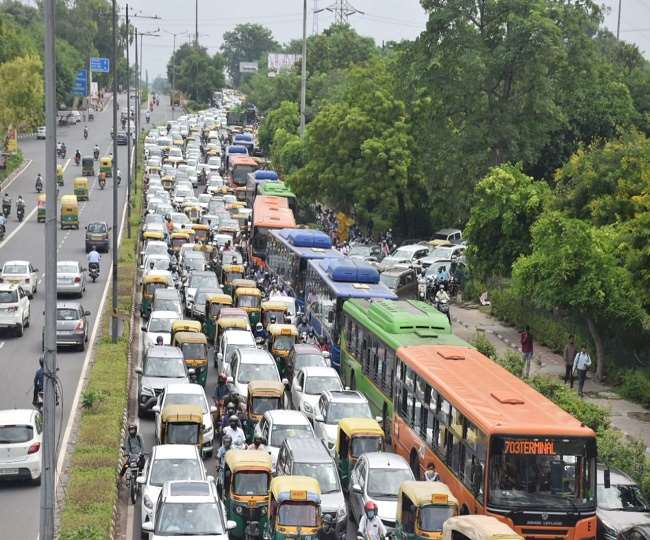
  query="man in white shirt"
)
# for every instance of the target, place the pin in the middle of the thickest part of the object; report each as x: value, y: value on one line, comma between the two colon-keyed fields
x: 581, y: 364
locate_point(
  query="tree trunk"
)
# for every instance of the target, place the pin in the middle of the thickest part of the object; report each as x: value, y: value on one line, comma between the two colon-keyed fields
x: 600, y: 350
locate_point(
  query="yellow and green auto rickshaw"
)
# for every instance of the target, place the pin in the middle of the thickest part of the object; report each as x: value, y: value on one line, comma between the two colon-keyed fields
x: 192, y: 211
x: 228, y: 322
x: 152, y: 235
x: 356, y: 436
x: 249, y: 299
x: 149, y: 285
x: 106, y: 166
x: 294, y: 508
x: 184, y: 325
x: 213, y: 305
x: 245, y: 493
x: 167, y: 182
x: 229, y: 273
x: 281, y: 338
x: 202, y: 232
x: 477, y: 527
x: 81, y: 188
x: 272, y: 309
x: 422, y: 509
x: 59, y: 174
x: 69, y: 212
x: 240, y: 193
x: 181, y: 424
x: 178, y: 239
x: 40, y: 204
x: 88, y: 166
x: 262, y: 396
x: 195, y: 353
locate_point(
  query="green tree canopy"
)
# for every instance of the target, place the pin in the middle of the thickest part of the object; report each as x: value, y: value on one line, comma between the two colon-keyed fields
x: 21, y: 93
x: 337, y: 47
x: 197, y: 74
x: 246, y: 43
x: 506, y: 204
x: 286, y: 116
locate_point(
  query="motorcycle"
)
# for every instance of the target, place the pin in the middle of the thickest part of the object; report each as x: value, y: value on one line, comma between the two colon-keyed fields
x: 77, y: 160
x: 102, y: 182
x: 61, y: 152
x: 6, y: 210
x: 132, y: 473
x: 93, y: 271
x: 20, y: 212
x: 39, y: 185
x: 422, y: 288
x: 2, y: 232
x: 443, y: 307
x: 85, y: 133
x: 39, y: 401
x: 96, y: 154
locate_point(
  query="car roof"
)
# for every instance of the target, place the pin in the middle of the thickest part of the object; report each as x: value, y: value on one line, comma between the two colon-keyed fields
x: 306, y: 348
x: 164, y: 351
x: 16, y: 261
x: 68, y: 305
x: 189, y: 491
x: 14, y: 416
x: 184, y: 388
x: 345, y: 396
x: 168, y: 292
x: 253, y: 355
x: 308, y: 451
x: 616, y: 477
x: 319, y: 371
x: 174, y: 451
x: 8, y: 286
x: 287, y: 416
x: 411, y: 247
x: 163, y: 315
x: 448, y: 231
x: 385, y: 460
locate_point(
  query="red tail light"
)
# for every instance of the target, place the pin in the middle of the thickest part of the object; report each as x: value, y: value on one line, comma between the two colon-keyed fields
x: 35, y: 447
x: 77, y: 279
x: 79, y: 327
x: 27, y: 280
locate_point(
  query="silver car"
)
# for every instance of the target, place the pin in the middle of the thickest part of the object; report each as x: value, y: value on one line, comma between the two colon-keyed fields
x: 70, y: 278
x: 162, y: 365
x: 72, y: 325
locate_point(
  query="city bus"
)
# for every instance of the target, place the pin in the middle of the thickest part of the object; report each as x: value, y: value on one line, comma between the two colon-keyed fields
x: 502, y: 448
x: 238, y: 168
x: 328, y: 284
x: 288, y: 251
x: 259, y: 177
x: 371, y: 332
x: 268, y: 213
x: 278, y: 189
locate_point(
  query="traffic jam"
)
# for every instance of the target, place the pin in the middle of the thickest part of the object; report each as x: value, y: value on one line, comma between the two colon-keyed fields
x: 284, y: 390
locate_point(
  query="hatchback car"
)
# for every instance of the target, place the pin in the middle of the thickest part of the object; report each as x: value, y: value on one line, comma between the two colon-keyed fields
x: 402, y: 281
x: 72, y: 326
x: 41, y: 132
x: 250, y: 364
x: 97, y: 236
x: 376, y: 477
x: 160, y: 324
x: 20, y: 445
x: 205, y: 279
x: 70, y: 278
x: 21, y: 273
x: 162, y: 365
x: 278, y: 425
x: 304, y: 355
x: 14, y: 308
x: 309, y: 383
x: 167, y: 300
x: 168, y: 462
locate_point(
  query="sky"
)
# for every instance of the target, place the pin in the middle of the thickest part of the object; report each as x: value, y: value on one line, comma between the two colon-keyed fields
x: 384, y: 20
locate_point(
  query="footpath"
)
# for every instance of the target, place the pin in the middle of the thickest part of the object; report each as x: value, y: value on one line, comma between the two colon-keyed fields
x: 631, y: 419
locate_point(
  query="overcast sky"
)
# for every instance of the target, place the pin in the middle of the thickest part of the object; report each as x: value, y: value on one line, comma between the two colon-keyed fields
x: 383, y: 20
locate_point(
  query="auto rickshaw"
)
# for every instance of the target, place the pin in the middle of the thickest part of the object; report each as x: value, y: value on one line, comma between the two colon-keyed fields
x: 356, y: 436
x: 106, y: 166
x: 240, y: 193
x: 69, y: 212
x: 249, y: 299
x: 228, y: 323
x: 88, y: 166
x: 245, y: 491
x: 40, y: 204
x: 281, y: 338
x: 192, y: 211
x: 422, y: 508
x: 59, y: 175
x: 167, y: 182
x: 184, y: 325
x: 202, y: 232
x: 213, y: 305
x: 477, y: 527
x: 272, y: 308
x: 262, y: 396
x: 81, y: 188
x: 153, y: 235
x: 242, y: 283
x: 294, y: 508
x: 181, y: 424
x: 195, y: 352
x: 234, y: 207
x: 177, y: 239
x: 230, y: 273
x: 149, y: 284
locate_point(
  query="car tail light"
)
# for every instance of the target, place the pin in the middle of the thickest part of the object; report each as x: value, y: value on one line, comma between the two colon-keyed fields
x: 35, y: 447
x: 77, y: 279
x: 26, y: 280
x: 12, y: 308
x: 1, y: 280
x: 79, y: 327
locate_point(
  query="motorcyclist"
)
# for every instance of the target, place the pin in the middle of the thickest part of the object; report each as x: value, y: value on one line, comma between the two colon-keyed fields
x: 63, y: 149
x: 39, y: 380
x: 39, y: 182
x: 77, y: 157
x: 20, y: 205
x: 226, y: 444
x: 133, y: 446
x: 442, y: 277
x: 234, y: 431
x: 119, y: 177
x: 303, y: 327
x: 231, y: 409
x: 6, y: 204
x: 96, y: 151
x: 441, y: 295
x: 370, y: 526
x: 85, y: 132
x: 3, y: 223
x: 222, y: 390
x: 94, y: 259
x: 258, y: 443
x: 311, y: 337
x: 260, y: 332
x: 147, y: 116
x: 322, y: 344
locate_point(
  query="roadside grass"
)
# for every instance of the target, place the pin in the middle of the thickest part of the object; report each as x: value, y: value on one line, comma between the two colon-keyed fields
x: 91, y: 490
x: 13, y: 162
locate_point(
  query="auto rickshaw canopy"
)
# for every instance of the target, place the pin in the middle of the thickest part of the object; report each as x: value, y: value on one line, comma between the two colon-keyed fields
x: 180, y: 338
x: 153, y: 235
x: 186, y: 325
x: 230, y: 322
x: 234, y: 268
x: 246, y: 283
x: 274, y: 305
x: 155, y: 278
x: 265, y: 389
x: 360, y: 426
x: 248, y: 460
x: 40, y: 199
x: 80, y: 182
x: 478, y: 527
x: 423, y: 493
x: 69, y: 203
x: 182, y: 413
x: 232, y: 312
x: 183, y: 235
x: 295, y: 488
x: 222, y: 299
x: 106, y: 161
x: 247, y: 291
x: 282, y: 330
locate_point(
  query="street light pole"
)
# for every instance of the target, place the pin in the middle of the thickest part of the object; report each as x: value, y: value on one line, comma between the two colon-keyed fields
x: 114, y: 322
x: 303, y: 74
x: 129, y: 134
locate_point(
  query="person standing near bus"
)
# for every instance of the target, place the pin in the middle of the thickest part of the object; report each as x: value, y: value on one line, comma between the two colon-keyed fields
x: 526, y: 351
x: 581, y: 365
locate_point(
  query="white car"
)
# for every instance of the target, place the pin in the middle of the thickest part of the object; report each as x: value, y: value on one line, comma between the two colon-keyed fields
x: 279, y: 424
x: 232, y: 339
x: 187, y: 394
x: 154, y: 247
x: 167, y: 462
x: 40, y: 132
x: 21, y: 273
x: 250, y: 364
x: 159, y: 325
x: 404, y: 255
x: 14, y: 308
x: 20, y: 444
x: 309, y: 383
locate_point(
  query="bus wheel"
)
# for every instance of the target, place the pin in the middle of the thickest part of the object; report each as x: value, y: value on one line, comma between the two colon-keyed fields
x: 415, y: 464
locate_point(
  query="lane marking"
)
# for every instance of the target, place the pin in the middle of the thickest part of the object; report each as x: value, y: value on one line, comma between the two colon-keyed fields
x: 2, y: 344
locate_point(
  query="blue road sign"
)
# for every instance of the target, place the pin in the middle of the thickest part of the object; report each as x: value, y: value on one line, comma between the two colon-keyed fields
x: 80, y: 86
x: 100, y: 65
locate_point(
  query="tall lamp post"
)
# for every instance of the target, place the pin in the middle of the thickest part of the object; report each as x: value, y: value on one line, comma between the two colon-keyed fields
x: 174, y: 34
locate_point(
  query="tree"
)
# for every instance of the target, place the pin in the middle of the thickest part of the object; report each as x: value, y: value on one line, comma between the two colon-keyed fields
x: 506, y: 204
x: 246, y: 43
x: 21, y: 93
x: 197, y: 73
x: 286, y: 116
x: 338, y: 47
x: 570, y: 268
x: 160, y: 85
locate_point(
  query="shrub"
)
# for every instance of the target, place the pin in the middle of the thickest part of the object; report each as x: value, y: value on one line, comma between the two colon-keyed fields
x: 635, y: 386
x: 512, y: 361
x: 484, y: 345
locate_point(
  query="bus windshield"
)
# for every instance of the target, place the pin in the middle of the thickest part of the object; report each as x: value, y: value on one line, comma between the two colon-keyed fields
x: 543, y: 473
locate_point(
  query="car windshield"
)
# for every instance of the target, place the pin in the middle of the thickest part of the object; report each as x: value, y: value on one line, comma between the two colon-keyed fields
x: 160, y: 325
x: 96, y: 228
x: 263, y: 404
x: 626, y: 497
x: 441, y: 252
x: 67, y: 314
x: 186, y: 399
x: 337, y: 411
x: 251, y: 483
x: 16, y: 434
x: 257, y: 372
x: 189, y: 519
x: 163, y: 470
x: 67, y: 269
x: 431, y: 518
x: 362, y: 445
x: 281, y: 432
x: 325, y: 473
x: 203, y: 280
x: 156, y: 249
x: 389, y: 280
x: 402, y: 253
x: 318, y: 385
x: 195, y: 263
x: 15, y: 269
x: 284, y: 343
x: 172, y: 368
x: 166, y: 305
x: 310, y: 360
x: 202, y: 296
x: 8, y: 297
x: 360, y: 251
x: 384, y: 483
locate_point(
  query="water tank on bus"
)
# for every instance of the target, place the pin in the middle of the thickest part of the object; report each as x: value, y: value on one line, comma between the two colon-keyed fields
x: 351, y: 271
x: 236, y: 149
x: 263, y: 174
x: 308, y: 238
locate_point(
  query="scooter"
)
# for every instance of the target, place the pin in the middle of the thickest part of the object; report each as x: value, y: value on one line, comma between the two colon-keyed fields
x: 6, y: 210
x: 93, y: 271
x: 102, y: 182
x: 20, y: 212
x: 39, y: 185
x: 422, y: 288
x: 96, y: 154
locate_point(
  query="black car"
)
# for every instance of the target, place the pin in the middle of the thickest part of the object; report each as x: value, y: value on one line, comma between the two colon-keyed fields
x: 97, y: 236
x: 121, y: 138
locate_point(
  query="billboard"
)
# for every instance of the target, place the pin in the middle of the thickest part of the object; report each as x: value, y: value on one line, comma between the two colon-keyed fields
x: 247, y: 67
x: 282, y: 62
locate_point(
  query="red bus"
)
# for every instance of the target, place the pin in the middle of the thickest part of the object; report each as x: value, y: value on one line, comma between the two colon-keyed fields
x: 268, y: 213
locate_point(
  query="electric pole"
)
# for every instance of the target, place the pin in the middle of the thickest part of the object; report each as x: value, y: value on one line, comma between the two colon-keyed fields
x: 303, y: 73
x: 174, y: 34
x: 48, y: 467
x: 618, y: 24
x: 129, y: 132
x: 196, y: 23
x: 114, y: 321
x: 342, y: 10
x: 314, y: 28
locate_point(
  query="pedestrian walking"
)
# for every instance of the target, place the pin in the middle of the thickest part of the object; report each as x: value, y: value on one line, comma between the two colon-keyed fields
x: 526, y: 350
x: 569, y: 356
x: 581, y: 365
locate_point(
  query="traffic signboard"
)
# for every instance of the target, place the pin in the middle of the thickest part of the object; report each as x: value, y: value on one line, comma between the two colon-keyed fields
x: 80, y: 86
x: 100, y: 65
